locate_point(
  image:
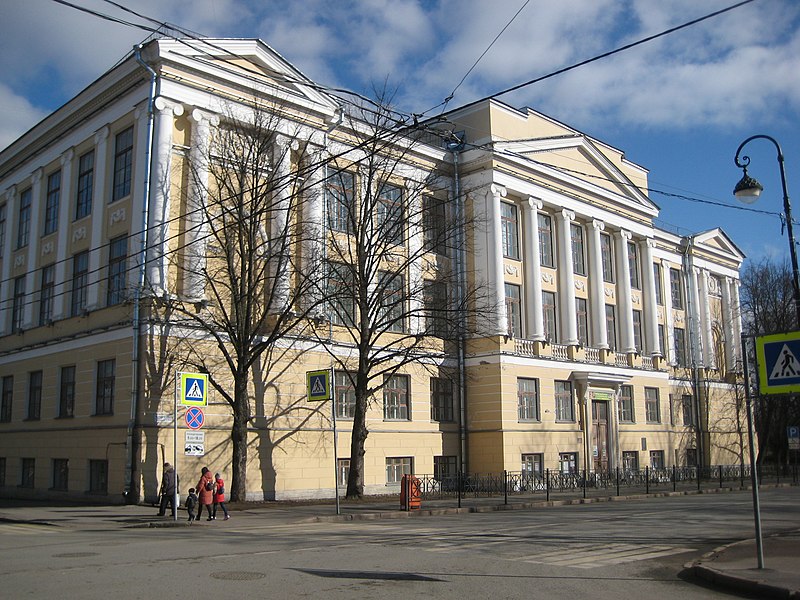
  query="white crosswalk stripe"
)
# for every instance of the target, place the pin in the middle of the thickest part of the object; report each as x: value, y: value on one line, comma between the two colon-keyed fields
x: 26, y: 529
x: 591, y: 557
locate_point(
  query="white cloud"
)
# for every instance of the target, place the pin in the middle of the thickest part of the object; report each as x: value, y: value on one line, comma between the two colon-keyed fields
x: 17, y: 116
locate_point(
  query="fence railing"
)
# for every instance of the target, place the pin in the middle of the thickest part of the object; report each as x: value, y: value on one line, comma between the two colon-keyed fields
x: 614, y: 482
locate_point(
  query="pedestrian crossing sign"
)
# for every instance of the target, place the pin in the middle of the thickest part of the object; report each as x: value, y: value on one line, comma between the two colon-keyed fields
x: 193, y: 389
x: 318, y: 385
x: 778, y: 358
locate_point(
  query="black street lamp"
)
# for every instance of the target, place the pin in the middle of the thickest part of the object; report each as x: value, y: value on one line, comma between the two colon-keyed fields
x: 748, y: 191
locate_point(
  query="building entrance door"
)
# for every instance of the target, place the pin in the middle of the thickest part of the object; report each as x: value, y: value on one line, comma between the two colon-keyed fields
x: 600, y: 435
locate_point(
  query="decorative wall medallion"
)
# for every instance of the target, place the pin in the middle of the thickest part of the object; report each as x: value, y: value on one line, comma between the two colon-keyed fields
x: 19, y: 260
x: 609, y: 292
x: 660, y: 314
x: 580, y: 285
x: 512, y: 270
x: 118, y: 216
x: 78, y: 234
x: 548, y: 278
x: 47, y: 248
x: 678, y: 318
x: 636, y: 299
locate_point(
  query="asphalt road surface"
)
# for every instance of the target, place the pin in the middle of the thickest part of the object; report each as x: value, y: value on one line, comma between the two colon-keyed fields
x: 613, y: 550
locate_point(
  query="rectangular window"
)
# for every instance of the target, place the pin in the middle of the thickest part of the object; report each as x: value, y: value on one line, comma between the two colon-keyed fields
x: 532, y: 464
x: 52, y: 202
x: 80, y: 274
x: 513, y: 310
x: 680, y: 347
x: 565, y: 407
x: 625, y: 405
x: 630, y: 460
x: 66, y: 396
x: 46, y: 294
x: 396, y: 405
x: 687, y: 407
x: 27, y: 473
x: 582, y: 321
x: 2, y: 471
x: 607, y: 256
x: 345, y: 395
x: 436, y: 308
x: 633, y: 265
x: 123, y: 164
x: 435, y: 226
x: 445, y: 467
x: 104, y: 398
x: 568, y: 462
x: 527, y: 399
x: 661, y: 348
x: 2, y: 228
x: 508, y: 224
x: 390, y: 213
x: 611, y: 327
x: 545, y: 240
x: 98, y: 476
x: 441, y: 399
x: 656, y: 459
x: 341, y: 202
x: 676, y: 289
x: 659, y: 284
x: 35, y: 396
x: 18, y: 305
x: 61, y: 474
x: 342, y: 471
x: 6, y: 399
x: 83, y: 201
x: 24, y: 221
x: 549, y: 314
x: 342, y: 295
x: 396, y: 467
x: 691, y: 457
x: 578, y: 256
x: 117, y: 271
x: 391, y: 289
x: 637, y: 330
x: 652, y: 405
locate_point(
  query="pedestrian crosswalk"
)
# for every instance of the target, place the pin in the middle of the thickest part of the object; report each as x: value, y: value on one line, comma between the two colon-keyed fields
x: 26, y: 529
x: 590, y: 556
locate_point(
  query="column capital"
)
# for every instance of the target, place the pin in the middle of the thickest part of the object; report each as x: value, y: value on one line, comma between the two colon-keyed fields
x: 161, y: 104
x: 623, y: 234
x: 649, y: 243
x: 11, y: 192
x: 498, y: 190
x: 36, y: 176
x: 533, y: 203
x: 599, y: 225
x: 199, y: 117
x: 568, y: 215
x: 101, y: 135
x: 67, y: 157
x: 285, y: 142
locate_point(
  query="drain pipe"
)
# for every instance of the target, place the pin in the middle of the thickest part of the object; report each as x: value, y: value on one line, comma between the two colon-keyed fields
x: 130, y: 486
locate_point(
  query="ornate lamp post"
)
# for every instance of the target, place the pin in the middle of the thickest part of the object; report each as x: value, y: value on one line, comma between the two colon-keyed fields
x: 748, y: 191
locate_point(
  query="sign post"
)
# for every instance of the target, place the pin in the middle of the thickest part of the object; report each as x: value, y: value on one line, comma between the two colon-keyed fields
x: 319, y: 387
x: 191, y: 389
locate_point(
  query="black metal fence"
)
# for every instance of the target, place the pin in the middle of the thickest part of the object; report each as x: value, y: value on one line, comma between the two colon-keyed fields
x: 554, y: 484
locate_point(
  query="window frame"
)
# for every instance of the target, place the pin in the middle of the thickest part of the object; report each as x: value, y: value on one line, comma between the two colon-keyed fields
x: 390, y: 213
x: 341, y: 284
x: 66, y: 392
x: 396, y: 397
x: 341, y: 201
x: 52, y: 201
x: 657, y: 276
x: 345, y: 392
x: 578, y: 247
x: 85, y: 186
x: 117, y: 270
x: 396, y: 467
x: 434, y: 224
x: 98, y: 477
x: 35, y: 382
x: 393, y: 297
x: 611, y: 326
x: 626, y: 407
x: 634, y: 263
x: 582, y: 320
x: 3, y: 221
x: 607, y: 257
x: 528, y: 403
x: 60, y: 468
x: 638, y: 339
x: 509, y: 227
x: 24, y: 218
x: 442, y: 400
x: 18, y: 304
x: 546, y: 250
x: 681, y: 353
x: 513, y: 302
x: 27, y: 472
x: 6, y: 398
x: 47, y: 294
x: 123, y: 165
x: 550, y: 316
x: 105, y: 387
x: 652, y: 405
x: 564, y: 401
x: 676, y: 288
x: 80, y: 283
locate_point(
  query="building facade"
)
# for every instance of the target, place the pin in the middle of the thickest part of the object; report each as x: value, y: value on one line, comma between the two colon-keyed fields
x: 601, y: 342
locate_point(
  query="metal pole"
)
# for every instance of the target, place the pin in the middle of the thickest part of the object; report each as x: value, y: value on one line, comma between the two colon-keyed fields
x: 335, y: 442
x: 175, y: 442
x: 753, y: 474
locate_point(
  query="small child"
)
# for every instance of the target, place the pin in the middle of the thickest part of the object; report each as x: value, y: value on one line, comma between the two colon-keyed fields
x: 191, y: 504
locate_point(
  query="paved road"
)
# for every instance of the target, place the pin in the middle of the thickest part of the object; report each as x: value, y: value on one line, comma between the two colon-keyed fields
x: 615, y: 550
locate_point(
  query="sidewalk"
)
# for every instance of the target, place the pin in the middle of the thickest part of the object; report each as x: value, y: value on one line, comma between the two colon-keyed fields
x: 733, y: 566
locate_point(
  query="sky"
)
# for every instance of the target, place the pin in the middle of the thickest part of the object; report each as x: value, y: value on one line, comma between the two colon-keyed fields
x: 679, y: 105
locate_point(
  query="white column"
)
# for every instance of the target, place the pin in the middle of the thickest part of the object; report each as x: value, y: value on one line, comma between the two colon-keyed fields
x: 533, y: 270
x: 669, y: 343
x: 624, y: 305
x: 650, y: 316
x: 705, y: 319
x: 728, y: 324
x: 5, y: 283
x: 566, y: 279
x: 196, y: 205
x: 737, y: 319
x: 597, y: 287
x: 313, y: 226
x: 415, y: 283
x: 279, y: 234
x: 31, y: 286
x: 60, y: 289
x: 96, y: 240
x: 159, y: 214
x: 693, y: 314
x: 495, y: 262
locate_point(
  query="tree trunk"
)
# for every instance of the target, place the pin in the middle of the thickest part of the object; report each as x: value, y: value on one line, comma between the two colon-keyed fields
x: 355, y: 478
x: 239, y: 441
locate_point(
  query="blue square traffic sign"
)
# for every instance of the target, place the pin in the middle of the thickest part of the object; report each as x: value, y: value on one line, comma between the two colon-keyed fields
x: 778, y: 358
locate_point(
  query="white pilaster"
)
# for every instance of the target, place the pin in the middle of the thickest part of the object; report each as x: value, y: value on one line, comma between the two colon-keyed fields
x: 31, y: 286
x: 709, y: 358
x: 313, y: 225
x: 279, y: 251
x: 597, y: 287
x: 5, y: 284
x: 650, y: 316
x: 728, y: 324
x: 60, y: 289
x: 669, y: 329
x: 533, y: 269
x: 499, y: 324
x: 693, y: 314
x: 96, y: 242
x: 736, y: 310
x: 566, y: 279
x: 624, y: 305
x: 415, y: 283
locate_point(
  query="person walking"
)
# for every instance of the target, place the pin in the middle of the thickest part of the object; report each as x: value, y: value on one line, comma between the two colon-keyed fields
x: 205, y: 493
x: 169, y: 483
x: 219, y: 497
x: 191, y: 505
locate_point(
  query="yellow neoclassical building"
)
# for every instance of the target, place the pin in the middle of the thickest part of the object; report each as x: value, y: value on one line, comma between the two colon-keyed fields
x: 598, y: 341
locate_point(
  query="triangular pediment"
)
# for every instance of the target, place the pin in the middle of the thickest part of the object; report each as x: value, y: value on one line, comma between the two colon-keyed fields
x: 716, y: 240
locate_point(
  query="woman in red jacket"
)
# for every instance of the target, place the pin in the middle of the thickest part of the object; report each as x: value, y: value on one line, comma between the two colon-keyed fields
x: 219, y: 497
x: 205, y: 493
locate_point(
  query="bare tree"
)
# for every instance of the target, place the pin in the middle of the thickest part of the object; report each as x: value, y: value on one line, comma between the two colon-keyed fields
x: 241, y: 285
x: 394, y: 289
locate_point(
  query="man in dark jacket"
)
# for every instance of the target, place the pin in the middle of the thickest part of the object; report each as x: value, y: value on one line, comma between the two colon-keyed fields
x: 168, y: 487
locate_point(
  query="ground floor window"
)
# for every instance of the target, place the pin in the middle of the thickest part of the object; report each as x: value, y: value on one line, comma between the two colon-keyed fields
x: 656, y: 459
x: 691, y: 457
x: 630, y: 460
x: 342, y: 471
x: 60, y: 474
x: 98, y: 476
x: 568, y: 462
x: 444, y: 467
x: 28, y: 472
x: 2, y: 471
x: 532, y: 464
x: 396, y: 467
